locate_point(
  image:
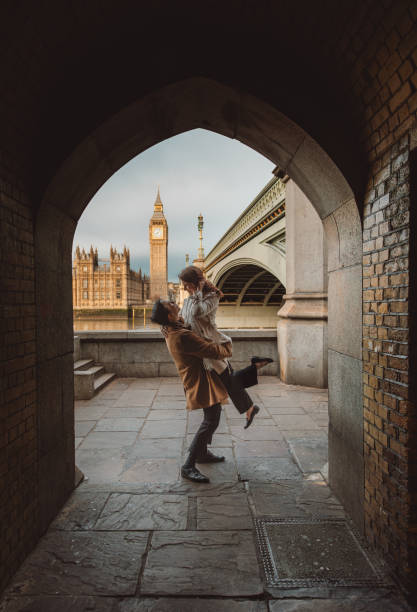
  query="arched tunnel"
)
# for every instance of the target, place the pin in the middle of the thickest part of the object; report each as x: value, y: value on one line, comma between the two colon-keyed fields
x: 251, y: 297
x: 251, y: 285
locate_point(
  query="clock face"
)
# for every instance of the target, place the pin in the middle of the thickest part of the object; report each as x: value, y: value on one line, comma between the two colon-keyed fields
x: 157, y: 232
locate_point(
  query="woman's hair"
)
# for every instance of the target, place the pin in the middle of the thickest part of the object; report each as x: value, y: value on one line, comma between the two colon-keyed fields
x: 194, y: 275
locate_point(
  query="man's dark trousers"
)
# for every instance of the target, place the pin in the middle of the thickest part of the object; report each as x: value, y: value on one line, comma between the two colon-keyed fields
x: 204, y: 435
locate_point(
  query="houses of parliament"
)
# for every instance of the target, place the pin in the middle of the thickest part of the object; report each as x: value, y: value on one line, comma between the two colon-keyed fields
x: 99, y: 284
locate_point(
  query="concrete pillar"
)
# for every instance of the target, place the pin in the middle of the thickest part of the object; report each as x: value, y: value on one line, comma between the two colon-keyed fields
x: 302, y: 324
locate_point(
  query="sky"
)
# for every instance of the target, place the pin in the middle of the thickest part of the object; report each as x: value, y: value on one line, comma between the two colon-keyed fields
x: 198, y: 171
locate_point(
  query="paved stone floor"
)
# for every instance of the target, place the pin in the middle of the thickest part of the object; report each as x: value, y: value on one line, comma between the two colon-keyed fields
x: 134, y: 537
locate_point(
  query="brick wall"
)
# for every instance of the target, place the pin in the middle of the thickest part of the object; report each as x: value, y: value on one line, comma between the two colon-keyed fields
x: 385, y: 355
x: 390, y: 112
x: 18, y: 431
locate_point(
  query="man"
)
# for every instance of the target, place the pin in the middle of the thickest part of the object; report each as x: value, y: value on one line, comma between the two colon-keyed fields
x: 202, y: 389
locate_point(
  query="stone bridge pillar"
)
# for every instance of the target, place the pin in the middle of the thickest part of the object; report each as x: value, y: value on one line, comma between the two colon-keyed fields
x: 302, y: 324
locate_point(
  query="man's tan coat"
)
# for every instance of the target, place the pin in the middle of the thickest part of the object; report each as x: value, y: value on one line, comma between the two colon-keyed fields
x: 202, y: 388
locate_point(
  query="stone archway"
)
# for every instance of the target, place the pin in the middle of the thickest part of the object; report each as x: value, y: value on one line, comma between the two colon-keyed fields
x: 174, y: 109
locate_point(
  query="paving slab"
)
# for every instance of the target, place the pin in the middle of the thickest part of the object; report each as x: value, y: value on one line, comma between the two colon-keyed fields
x: 143, y: 512
x: 221, y: 472
x: 100, y: 465
x: 310, y: 396
x: 261, y: 448
x: 119, y: 424
x: 77, y: 442
x: 316, y: 406
x: 90, y: 413
x: 293, y: 434
x: 298, y: 499
x: 163, y: 429
x: 224, y: 512
x: 113, y: 391
x: 275, y: 408
x: 262, y: 420
x: 294, y: 421
x: 377, y: 602
x: 202, y: 563
x: 136, y: 397
x: 311, y: 454
x: 169, y: 403
x: 82, y: 428
x: 63, y: 604
x: 192, y: 604
x: 108, y: 439
x: 267, y: 469
x: 170, y: 390
x: 127, y: 412
x: 149, y: 448
x: 219, y: 440
x: 82, y: 563
x: 271, y: 390
x: 145, y: 383
x: 180, y: 487
x: 152, y: 471
x: 321, y: 420
x: 255, y: 432
x: 81, y: 511
x: 94, y: 401
x: 167, y: 414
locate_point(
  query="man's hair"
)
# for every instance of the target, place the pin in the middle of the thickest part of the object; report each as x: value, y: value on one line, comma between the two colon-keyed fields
x: 159, y: 313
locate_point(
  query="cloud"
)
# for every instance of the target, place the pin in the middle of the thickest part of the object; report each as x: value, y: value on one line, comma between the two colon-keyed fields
x: 198, y: 171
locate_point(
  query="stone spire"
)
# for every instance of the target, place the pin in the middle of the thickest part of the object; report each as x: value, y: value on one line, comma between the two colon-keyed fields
x: 158, y: 206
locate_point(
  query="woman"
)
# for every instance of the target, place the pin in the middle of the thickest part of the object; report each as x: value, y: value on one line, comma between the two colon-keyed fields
x: 199, y: 313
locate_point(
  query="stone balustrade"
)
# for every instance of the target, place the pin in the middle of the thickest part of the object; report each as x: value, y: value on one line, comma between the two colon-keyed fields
x: 144, y: 354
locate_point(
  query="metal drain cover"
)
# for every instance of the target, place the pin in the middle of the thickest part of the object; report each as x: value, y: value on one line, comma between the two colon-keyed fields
x: 316, y: 552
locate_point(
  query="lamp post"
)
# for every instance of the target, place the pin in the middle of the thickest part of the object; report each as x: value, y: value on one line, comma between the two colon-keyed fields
x: 200, y: 229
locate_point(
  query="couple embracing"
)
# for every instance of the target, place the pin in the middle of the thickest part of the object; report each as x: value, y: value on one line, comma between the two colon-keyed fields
x: 201, y: 354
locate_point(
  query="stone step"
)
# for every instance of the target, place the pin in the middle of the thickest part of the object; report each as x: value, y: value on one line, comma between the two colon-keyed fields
x: 83, y: 364
x: 94, y: 371
x: 103, y: 380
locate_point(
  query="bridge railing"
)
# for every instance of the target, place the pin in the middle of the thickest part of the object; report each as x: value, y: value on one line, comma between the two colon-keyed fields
x: 269, y: 198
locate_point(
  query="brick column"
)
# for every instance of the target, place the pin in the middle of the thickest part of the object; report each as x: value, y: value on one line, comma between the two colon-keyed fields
x: 388, y: 419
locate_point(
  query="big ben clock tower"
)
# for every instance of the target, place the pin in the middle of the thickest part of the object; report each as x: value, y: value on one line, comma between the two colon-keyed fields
x: 158, y: 241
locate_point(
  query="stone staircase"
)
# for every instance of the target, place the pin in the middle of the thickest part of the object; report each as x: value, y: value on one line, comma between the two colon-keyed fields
x: 89, y: 378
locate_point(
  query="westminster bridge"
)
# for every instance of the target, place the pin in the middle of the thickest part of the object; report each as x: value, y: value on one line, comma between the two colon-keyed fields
x: 271, y: 267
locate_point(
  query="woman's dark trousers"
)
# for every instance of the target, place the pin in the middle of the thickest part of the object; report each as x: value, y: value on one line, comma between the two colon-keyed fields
x: 235, y: 383
x: 204, y: 435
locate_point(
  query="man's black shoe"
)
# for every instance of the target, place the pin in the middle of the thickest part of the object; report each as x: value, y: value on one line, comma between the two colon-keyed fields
x: 210, y: 458
x: 252, y: 416
x: 193, y: 474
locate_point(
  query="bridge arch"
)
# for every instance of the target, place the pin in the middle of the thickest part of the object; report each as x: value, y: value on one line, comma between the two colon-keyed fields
x: 220, y: 275
x: 250, y: 282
